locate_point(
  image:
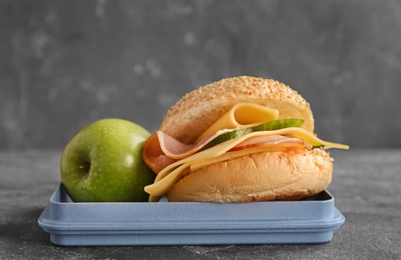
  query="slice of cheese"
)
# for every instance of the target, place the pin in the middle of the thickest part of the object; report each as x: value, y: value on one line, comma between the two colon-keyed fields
x: 241, y: 116
x: 174, y: 172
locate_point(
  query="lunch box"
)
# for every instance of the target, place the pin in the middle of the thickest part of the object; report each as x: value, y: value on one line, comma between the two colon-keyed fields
x: 69, y: 223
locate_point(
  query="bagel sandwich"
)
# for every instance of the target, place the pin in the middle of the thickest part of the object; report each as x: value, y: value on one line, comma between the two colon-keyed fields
x: 240, y: 139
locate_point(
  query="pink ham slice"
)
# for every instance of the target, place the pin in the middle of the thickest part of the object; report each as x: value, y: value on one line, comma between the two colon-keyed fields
x: 161, y: 149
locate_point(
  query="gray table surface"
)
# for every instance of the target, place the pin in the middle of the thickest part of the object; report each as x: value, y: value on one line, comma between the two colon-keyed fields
x: 366, y: 186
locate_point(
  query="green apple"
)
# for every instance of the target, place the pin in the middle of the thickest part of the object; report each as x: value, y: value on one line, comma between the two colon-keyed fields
x: 103, y: 163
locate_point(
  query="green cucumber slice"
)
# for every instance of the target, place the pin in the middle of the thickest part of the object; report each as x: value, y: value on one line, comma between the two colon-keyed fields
x: 279, y: 124
x: 268, y: 126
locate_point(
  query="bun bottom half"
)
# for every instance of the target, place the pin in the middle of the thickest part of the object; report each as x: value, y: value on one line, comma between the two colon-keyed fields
x: 265, y: 176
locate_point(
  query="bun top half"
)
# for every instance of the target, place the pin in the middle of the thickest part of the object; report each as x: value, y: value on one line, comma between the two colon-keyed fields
x: 190, y: 116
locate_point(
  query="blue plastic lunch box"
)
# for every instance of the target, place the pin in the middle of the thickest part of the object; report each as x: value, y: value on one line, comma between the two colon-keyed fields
x: 189, y: 223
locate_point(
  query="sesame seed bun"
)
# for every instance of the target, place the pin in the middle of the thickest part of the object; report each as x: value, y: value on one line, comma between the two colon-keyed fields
x: 205, y: 105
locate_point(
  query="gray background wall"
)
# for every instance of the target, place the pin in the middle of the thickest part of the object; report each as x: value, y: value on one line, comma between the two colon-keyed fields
x: 64, y: 64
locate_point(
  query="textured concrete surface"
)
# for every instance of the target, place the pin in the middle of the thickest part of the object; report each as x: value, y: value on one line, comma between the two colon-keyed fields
x: 366, y: 186
x: 64, y: 64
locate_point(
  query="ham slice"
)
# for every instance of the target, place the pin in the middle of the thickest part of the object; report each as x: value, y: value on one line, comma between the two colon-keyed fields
x: 154, y: 156
x: 162, y: 149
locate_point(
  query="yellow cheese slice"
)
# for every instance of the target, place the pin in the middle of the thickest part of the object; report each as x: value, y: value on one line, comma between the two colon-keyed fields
x: 174, y: 172
x: 241, y: 116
